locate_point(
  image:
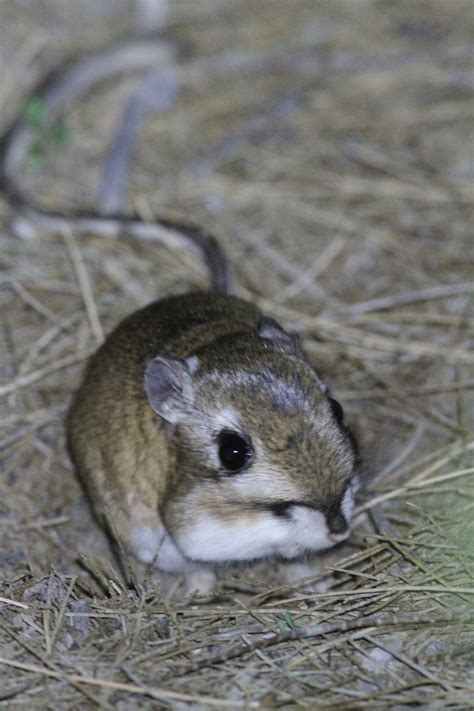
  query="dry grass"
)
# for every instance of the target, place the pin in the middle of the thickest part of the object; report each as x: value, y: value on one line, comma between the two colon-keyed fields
x: 338, y: 170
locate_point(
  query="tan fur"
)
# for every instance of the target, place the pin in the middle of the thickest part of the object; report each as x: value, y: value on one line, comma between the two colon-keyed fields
x: 139, y: 469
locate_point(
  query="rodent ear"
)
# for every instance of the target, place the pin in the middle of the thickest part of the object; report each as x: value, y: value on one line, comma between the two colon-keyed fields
x: 271, y: 329
x: 168, y: 385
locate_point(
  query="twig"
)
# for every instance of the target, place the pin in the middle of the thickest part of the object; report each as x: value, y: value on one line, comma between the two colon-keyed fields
x: 84, y: 284
x: 51, y: 669
x: 402, y: 455
x: 284, y: 267
x: 414, y: 485
x: 34, y: 303
x: 385, y: 620
x: 411, y: 297
x: 62, y: 609
x: 36, y: 375
x: 320, y: 264
x: 409, y: 663
x: 150, y: 691
x: 13, y: 603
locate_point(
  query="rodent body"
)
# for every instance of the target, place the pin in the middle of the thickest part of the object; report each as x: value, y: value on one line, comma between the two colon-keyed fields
x: 145, y: 432
x: 201, y: 432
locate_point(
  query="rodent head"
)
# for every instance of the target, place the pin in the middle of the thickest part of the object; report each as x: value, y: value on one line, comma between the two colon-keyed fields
x: 264, y: 464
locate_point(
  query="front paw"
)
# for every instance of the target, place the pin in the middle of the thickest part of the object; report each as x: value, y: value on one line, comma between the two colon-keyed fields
x: 202, y: 582
x: 304, y: 574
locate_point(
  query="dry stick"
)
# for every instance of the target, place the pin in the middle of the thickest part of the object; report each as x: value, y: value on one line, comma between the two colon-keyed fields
x: 414, y: 318
x: 145, y: 657
x: 374, y: 592
x: 403, y: 397
x: 353, y: 185
x: 84, y: 284
x: 419, y: 564
x: 414, y: 485
x: 14, y: 603
x: 338, y: 332
x: 362, y: 674
x: 375, y: 393
x: 44, y: 341
x: 413, y: 542
x: 8, y: 693
x: 36, y: 375
x: 51, y: 670
x: 45, y: 616
x: 32, y: 427
x: 62, y: 609
x: 45, y: 523
x: 398, y: 460
x: 151, y: 691
x: 24, y: 505
x: 318, y: 630
x: 339, y: 640
x: 409, y: 663
x: 392, y: 698
x: 376, y: 513
x: 458, y: 449
x: 411, y: 297
x: 175, y: 652
x: 358, y: 557
x: 34, y: 303
x: 28, y: 417
x: 320, y: 264
x: 436, y: 460
x: 284, y: 267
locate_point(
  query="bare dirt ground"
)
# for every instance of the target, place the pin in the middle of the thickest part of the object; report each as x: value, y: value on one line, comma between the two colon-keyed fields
x: 329, y: 146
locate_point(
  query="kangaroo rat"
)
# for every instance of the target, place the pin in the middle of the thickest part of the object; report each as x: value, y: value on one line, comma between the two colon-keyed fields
x: 201, y: 432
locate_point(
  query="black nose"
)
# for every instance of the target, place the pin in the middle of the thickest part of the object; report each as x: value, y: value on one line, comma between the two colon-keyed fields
x: 336, y: 523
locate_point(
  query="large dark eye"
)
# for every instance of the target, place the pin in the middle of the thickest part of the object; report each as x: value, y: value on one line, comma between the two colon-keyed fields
x: 234, y: 451
x: 336, y: 409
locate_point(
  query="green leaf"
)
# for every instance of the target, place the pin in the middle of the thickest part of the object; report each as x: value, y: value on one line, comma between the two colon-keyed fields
x: 33, y: 113
x: 281, y: 624
x: 60, y: 133
x: 35, y: 156
x: 286, y: 623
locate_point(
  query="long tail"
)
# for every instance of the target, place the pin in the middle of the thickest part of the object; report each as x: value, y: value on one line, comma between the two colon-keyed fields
x: 56, y: 95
